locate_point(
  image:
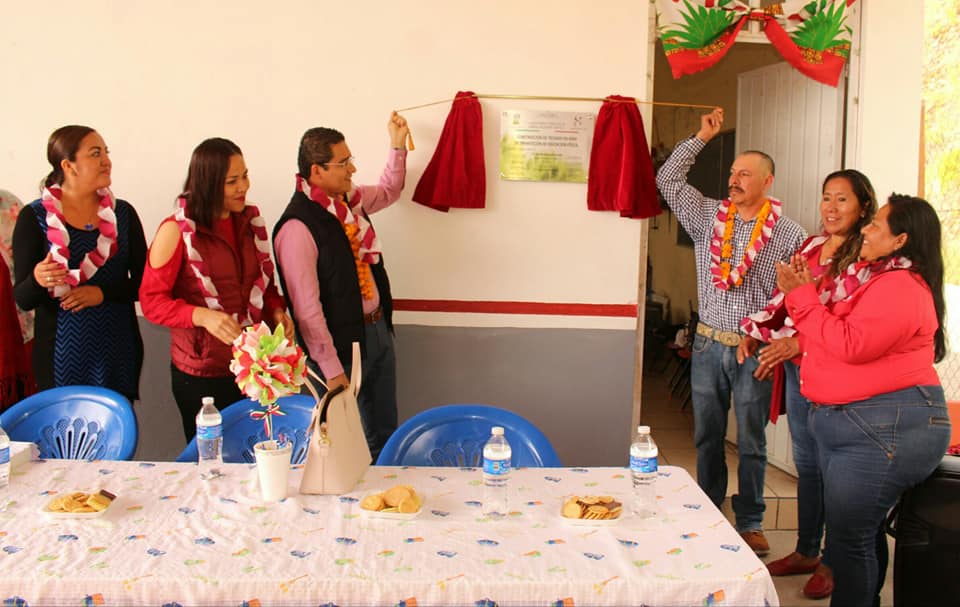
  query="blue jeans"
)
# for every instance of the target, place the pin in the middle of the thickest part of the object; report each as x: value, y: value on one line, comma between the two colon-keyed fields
x: 715, y: 376
x: 870, y: 452
x: 809, y: 482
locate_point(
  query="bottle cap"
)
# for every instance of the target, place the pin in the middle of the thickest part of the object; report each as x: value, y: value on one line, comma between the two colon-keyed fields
x: 497, y: 430
x: 643, y: 429
x: 206, y: 400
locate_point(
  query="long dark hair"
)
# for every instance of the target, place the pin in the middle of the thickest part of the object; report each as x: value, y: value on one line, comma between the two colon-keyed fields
x: 203, y: 188
x: 918, y: 219
x: 63, y: 145
x: 849, y: 252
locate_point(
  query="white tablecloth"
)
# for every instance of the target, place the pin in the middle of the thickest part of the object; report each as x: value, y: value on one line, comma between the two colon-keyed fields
x: 171, y: 538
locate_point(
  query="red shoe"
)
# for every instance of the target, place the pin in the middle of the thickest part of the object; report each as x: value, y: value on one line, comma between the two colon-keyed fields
x: 792, y: 564
x: 819, y: 586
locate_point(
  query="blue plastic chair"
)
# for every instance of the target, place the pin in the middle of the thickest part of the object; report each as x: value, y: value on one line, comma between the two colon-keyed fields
x: 75, y: 422
x: 241, y: 432
x: 454, y: 435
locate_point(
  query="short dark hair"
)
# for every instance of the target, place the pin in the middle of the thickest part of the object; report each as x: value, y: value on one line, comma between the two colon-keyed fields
x: 766, y: 158
x: 849, y: 251
x: 63, y: 144
x: 916, y: 218
x: 315, y: 148
x: 203, y: 187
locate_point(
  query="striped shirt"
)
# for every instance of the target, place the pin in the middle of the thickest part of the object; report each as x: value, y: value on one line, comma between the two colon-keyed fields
x: 723, y: 309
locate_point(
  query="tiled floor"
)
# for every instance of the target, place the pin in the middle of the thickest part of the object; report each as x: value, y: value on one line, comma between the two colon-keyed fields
x: 672, y: 428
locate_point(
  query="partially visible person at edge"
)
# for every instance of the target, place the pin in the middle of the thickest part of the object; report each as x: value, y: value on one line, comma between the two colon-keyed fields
x: 869, y: 338
x: 16, y: 325
x: 332, y: 272
x: 209, y: 274
x: 78, y: 261
x: 847, y: 204
x: 737, y: 242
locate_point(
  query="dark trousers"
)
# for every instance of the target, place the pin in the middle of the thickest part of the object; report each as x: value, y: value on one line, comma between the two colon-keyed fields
x: 189, y: 389
x: 377, y: 400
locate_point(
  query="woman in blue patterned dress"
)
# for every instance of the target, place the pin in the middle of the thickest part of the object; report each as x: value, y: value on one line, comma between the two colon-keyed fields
x: 79, y: 255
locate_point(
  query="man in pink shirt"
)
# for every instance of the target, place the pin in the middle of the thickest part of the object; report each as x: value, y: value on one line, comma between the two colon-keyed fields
x: 332, y: 273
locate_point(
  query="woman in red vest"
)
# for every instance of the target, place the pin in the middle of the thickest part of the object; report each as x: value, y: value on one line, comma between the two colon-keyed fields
x: 208, y: 275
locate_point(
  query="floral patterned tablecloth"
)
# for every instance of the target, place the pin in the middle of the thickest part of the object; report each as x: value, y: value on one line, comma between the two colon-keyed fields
x: 171, y: 538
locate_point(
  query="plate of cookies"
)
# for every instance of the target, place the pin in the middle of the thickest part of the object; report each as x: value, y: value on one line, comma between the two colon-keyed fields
x: 399, y: 502
x: 78, y: 504
x: 594, y: 510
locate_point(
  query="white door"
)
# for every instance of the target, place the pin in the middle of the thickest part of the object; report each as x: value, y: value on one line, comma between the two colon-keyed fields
x: 799, y: 122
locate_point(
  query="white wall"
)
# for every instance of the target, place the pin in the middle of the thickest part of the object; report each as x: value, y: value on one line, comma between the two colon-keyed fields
x: 157, y: 78
x: 885, y: 104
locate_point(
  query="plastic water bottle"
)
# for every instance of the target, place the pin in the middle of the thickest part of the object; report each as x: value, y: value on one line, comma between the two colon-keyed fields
x: 209, y: 439
x: 643, y: 469
x: 4, y: 459
x: 496, y: 473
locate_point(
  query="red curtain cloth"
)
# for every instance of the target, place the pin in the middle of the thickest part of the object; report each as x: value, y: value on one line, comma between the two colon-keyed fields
x: 824, y: 66
x: 690, y: 61
x: 778, y: 398
x: 621, y: 171
x: 456, y: 175
x: 16, y: 377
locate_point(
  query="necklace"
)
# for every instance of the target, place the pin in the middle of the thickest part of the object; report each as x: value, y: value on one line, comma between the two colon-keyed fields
x: 359, y: 231
x: 59, y: 237
x: 721, y: 246
x: 188, y: 230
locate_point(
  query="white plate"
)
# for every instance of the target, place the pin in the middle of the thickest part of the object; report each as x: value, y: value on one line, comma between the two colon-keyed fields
x: 397, y: 516
x: 592, y: 522
x: 74, y: 515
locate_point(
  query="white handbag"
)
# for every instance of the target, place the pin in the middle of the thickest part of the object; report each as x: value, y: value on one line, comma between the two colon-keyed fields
x: 338, y: 455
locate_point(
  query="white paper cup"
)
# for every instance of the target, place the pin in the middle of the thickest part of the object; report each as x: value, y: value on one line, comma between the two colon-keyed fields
x: 273, y: 469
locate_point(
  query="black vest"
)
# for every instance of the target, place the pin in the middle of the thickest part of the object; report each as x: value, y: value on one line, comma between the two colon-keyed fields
x: 337, y: 274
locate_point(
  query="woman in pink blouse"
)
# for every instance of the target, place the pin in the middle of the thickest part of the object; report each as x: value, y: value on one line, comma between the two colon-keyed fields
x: 869, y: 338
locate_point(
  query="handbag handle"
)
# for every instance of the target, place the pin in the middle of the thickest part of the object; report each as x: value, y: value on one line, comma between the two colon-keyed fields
x: 355, y: 372
x: 326, y: 402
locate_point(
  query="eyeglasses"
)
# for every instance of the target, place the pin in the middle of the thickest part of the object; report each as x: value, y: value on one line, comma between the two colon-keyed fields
x: 343, y: 163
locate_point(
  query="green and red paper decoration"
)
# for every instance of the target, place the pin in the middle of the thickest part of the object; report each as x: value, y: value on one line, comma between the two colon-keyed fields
x: 812, y: 35
x: 266, y: 366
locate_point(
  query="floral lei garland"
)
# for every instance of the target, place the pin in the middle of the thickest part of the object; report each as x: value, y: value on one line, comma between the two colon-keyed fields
x: 188, y: 229
x: 721, y: 246
x: 59, y: 237
x: 360, y: 232
x: 364, y: 277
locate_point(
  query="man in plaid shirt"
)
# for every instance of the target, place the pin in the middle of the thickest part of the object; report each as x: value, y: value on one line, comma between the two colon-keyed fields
x: 738, y: 242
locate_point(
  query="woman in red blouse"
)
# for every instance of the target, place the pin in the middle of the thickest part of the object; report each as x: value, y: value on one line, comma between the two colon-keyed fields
x: 869, y: 338
x: 209, y: 274
x: 847, y: 204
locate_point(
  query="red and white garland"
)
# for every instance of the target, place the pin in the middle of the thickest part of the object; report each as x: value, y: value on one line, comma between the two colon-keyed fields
x: 188, y: 229
x: 833, y: 290
x: 59, y: 238
x: 735, y: 277
x: 757, y: 325
x: 369, y: 244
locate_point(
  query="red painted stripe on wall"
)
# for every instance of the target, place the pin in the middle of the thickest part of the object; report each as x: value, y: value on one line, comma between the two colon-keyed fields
x: 515, y: 307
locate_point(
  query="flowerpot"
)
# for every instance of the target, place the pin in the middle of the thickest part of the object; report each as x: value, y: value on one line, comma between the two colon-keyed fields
x: 273, y: 469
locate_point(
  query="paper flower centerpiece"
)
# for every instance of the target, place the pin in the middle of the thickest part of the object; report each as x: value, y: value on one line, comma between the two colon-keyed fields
x: 267, y: 366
